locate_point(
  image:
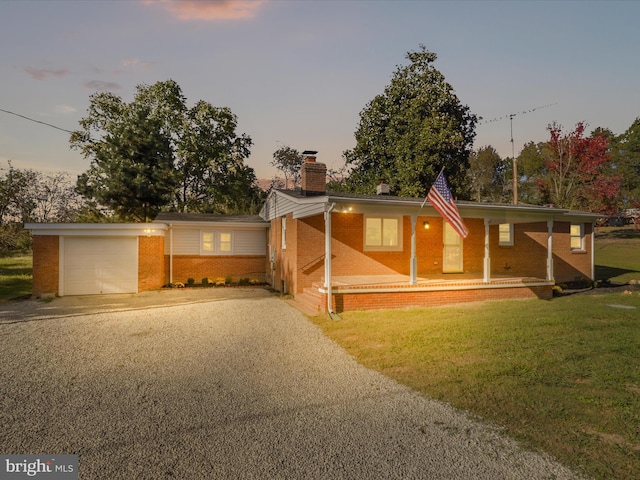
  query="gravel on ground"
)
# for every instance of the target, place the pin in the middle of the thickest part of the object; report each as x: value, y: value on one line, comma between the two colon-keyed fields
x: 224, y: 385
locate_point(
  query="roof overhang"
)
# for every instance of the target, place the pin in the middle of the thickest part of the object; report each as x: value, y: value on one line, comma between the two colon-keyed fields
x: 302, y: 207
x: 98, y: 229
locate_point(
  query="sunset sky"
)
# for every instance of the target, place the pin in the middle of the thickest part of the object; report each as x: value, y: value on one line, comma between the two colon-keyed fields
x: 298, y: 73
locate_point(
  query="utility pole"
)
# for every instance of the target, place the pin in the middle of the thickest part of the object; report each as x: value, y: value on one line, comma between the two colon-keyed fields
x: 515, y: 163
x: 513, y: 150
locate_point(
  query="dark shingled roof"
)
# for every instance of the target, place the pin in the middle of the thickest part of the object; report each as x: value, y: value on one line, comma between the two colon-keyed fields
x: 207, y: 217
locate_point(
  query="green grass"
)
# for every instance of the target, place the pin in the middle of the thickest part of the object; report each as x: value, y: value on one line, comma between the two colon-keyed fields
x: 562, y: 375
x: 15, y: 276
x: 617, y: 254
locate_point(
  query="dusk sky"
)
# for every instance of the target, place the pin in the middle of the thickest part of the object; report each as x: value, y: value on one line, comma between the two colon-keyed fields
x: 298, y: 73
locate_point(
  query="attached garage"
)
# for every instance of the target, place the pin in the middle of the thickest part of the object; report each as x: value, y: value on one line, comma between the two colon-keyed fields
x: 94, y: 259
x: 95, y: 265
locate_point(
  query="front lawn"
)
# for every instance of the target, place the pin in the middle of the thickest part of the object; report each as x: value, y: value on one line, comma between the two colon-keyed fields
x: 15, y: 276
x: 562, y: 375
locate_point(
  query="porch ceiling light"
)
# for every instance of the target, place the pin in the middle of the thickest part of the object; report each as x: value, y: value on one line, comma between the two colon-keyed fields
x: 425, y: 225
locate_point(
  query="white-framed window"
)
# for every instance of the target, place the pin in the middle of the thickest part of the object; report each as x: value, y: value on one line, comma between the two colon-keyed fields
x: 207, y: 244
x: 382, y: 233
x: 216, y: 243
x: 505, y: 234
x: 284, y: 233
x: 577, y: 236
x: 224, y: 242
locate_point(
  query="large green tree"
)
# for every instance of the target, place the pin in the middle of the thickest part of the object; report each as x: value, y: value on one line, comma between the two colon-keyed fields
x: 486, y: 175
x: 155, y: 153
x: 625, y: 158
x: 407, y: 134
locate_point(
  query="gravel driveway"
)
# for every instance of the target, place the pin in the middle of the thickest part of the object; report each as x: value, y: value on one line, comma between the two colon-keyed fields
x: 224, y: 385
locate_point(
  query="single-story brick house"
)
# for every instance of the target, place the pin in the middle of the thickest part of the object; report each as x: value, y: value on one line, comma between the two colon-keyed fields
x: 332, y: 252
x: 338, y: 252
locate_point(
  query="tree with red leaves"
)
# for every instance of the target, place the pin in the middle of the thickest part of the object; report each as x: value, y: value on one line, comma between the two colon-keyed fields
x: 576, y: 176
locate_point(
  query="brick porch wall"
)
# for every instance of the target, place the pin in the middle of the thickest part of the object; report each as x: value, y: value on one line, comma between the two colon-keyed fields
x: 46, y: 261
x: 390, y: 300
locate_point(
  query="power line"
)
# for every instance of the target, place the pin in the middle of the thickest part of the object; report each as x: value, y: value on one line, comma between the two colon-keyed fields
x: 36, y: 121
x: 511, y: 115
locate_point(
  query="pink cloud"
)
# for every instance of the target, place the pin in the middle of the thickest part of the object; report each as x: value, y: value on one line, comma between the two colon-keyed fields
x: 211, y: 9
x: 44, y: 73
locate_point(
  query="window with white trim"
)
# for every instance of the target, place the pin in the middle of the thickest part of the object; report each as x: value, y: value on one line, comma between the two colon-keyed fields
x: 216, y: 243
x: 284, y: 233
x: 382, y: 233
x: 505, y: 234
x: 577, y: 236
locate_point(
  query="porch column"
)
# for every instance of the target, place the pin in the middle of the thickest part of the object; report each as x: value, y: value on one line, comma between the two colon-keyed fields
x: 550, y: 250
x: 487, y: 257
x: 327, y: 254
x: 414, y: 260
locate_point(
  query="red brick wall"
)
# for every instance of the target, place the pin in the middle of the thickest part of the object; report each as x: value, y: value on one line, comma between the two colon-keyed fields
x: 373, y: 301
x: 150, y: 263
x: 350, y: 258
x: 213, y: 267
x: 570, y: 265
x: 302, y: 263
x: 527, y: 257
x: 46, y: 261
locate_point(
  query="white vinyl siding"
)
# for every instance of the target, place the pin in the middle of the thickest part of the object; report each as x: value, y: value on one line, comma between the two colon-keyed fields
x: 246, y: 241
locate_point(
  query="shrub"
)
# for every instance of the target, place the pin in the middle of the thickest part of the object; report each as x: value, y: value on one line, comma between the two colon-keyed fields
x: 190, y: 281
x: 243, y: 281
x: 205, y: 281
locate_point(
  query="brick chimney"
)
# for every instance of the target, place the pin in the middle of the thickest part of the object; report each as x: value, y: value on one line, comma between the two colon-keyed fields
x: 313, y: 175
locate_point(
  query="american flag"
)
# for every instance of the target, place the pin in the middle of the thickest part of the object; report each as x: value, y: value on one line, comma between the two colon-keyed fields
x: 440, y: 197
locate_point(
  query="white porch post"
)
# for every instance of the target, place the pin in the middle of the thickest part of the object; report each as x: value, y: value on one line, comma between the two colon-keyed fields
x: 487, y: 256
x: 550, y: 250
x: 327, y: 255
x: 593, y: 248
x: 414, y: 260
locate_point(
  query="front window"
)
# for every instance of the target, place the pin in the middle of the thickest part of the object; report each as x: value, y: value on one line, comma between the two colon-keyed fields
x: 216, y: 243
x: 577, y: 236
x: 208, y: 243
x: 225, y: 242
x: 505, y: 231
x: 382, y: 233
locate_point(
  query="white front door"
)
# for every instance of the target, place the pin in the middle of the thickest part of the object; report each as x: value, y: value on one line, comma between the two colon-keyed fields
x: 452, y: 250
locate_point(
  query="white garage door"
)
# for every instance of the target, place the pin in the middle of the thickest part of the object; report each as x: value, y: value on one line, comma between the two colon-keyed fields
x: 95, y: 265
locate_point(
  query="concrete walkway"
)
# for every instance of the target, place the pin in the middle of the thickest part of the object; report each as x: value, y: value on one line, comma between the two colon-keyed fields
x: 224, y: 384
